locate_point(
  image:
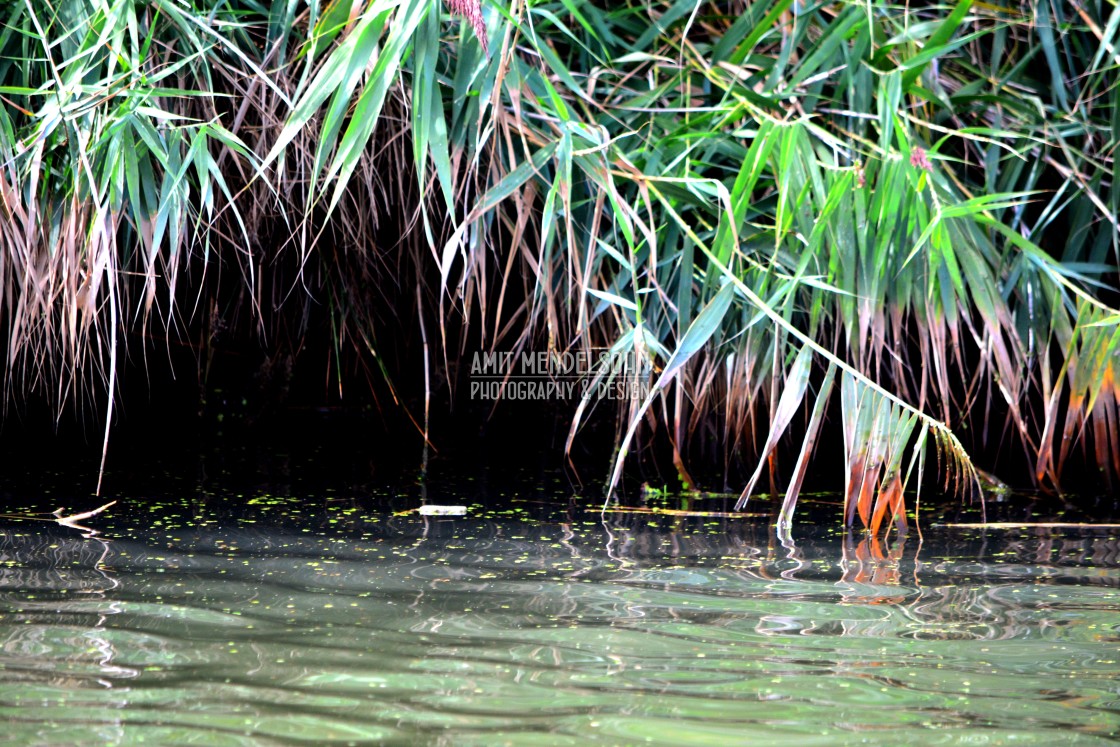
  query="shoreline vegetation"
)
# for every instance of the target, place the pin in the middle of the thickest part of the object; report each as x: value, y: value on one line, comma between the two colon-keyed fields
x: 767, y: 203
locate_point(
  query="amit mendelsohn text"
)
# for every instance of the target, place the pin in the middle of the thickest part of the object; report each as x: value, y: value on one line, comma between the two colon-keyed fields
x: 539, y: 375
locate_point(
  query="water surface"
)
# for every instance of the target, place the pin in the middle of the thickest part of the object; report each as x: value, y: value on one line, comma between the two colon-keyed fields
x: 231, y: 619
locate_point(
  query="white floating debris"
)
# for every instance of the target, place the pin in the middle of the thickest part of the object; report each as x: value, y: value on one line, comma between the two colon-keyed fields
x: 443, y: 510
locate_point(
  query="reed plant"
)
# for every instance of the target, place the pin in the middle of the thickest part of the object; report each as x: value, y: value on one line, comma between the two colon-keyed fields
x: 913, y: 205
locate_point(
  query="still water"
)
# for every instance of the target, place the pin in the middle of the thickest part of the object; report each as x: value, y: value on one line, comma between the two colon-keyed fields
x: 259, y: 619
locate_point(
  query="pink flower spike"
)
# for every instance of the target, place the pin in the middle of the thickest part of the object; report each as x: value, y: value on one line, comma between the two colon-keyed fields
x: 471, y: 10
x: 919, y: 160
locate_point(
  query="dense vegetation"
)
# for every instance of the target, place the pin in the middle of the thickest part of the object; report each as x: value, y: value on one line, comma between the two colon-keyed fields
x: 913, y: 205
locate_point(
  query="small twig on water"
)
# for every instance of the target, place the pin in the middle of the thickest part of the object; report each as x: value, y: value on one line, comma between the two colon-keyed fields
x: 73, y: 520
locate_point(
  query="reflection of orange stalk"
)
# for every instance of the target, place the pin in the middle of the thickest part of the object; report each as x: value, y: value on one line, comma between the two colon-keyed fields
x: 863, y: 554
x: 886, y: 567
x: 873, y: 566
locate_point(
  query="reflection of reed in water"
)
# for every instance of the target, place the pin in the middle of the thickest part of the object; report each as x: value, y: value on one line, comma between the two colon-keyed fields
x: 47, y: 562
x: 1063, y: 553
x: 967, y: 588
x: 862, y: 558
x: 875, y: 563
x: 54, y: 598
